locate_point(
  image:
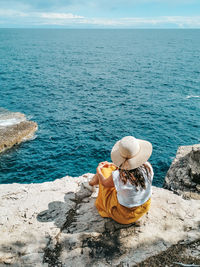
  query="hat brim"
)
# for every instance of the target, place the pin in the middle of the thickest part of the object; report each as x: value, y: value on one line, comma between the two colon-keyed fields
x: 140, y: 158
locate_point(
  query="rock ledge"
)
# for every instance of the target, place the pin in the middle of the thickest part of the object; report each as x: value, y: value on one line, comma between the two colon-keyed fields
x: 183, y: 177
x: 57, y: 224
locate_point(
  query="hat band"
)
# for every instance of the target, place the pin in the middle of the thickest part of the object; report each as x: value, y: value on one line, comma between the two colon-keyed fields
x: 129, y: 157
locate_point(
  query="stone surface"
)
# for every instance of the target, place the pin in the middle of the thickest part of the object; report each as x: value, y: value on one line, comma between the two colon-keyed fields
x: 57, y: 224
x: 14, y: 129
x: 182, y: 254
x: 183, y: 177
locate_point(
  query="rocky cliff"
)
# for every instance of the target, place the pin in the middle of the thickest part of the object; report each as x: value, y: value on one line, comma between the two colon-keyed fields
x: 14, y: 129
x: 183, y: 177
x: 57, y: 224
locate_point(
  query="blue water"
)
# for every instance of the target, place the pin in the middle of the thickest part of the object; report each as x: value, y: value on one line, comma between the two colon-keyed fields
x: 88, y: 88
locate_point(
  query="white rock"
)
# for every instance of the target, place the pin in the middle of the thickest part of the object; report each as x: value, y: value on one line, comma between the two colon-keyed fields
x: 39, y: 223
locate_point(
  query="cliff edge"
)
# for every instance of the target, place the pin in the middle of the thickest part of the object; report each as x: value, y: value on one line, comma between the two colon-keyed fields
x: 183, y: 176
x: 57, y: 224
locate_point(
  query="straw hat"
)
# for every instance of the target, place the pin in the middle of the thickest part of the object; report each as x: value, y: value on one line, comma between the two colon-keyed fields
x: 130, y: 153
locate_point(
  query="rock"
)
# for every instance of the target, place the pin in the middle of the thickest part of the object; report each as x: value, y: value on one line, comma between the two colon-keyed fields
x: 57, y: 224
x: 183, y: 177
x: 14, y: 129
x: 182, y: 254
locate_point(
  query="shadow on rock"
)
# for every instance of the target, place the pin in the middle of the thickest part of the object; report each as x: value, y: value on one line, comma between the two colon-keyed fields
x: 57, y: 210
x: 83, y: 229
x: 63, y: 213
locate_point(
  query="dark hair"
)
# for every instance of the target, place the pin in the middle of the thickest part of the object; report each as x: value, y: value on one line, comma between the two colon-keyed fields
x: 136, y: 176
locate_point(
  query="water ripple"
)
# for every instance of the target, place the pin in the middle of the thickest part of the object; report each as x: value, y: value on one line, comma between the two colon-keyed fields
x: 87, y: 95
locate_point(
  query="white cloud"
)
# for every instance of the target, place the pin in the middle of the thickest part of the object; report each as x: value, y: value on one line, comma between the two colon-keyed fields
x: 12, y: 13
x: 187, y: 21
x: 177, y: 21
x: 69, y: 19
x: 59, y: 16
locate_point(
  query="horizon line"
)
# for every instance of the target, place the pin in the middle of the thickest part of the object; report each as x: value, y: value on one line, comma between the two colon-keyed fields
x: 101, y: 28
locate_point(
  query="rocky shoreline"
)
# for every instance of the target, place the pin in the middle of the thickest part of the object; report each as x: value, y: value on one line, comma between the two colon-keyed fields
x: 15, y: 129
x: 57, y: 224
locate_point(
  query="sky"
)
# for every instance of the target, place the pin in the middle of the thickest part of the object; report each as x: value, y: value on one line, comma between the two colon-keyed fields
x: 99, y: 13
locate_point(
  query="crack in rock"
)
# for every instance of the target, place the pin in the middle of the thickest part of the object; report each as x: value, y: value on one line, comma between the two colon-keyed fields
x: 53, y: 249
x: 52, y: 253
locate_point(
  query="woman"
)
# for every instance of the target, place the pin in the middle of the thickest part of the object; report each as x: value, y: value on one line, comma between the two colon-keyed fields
x: 125, y: 185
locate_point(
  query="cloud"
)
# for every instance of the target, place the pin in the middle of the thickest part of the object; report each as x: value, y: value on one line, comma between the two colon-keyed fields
x: 137, y: 22
x: 59, y: 16
x: 63, y: 19
x: 12, y: 13
x: 187, y: 21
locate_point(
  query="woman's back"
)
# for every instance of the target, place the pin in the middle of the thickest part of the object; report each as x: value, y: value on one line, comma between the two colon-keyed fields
x: 125, y: 184
x: 130, y: 195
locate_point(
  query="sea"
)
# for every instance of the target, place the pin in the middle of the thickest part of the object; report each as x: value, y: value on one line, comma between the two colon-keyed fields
x: 88, y: 88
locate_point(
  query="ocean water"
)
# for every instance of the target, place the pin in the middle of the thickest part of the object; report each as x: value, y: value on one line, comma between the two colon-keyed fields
x: 86, y: 89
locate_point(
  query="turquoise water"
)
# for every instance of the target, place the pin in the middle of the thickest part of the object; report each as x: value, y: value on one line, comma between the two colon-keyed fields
x: 88, y: 88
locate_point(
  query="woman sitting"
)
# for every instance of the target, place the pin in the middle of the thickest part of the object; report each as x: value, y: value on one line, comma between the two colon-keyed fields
x: 125, y: 185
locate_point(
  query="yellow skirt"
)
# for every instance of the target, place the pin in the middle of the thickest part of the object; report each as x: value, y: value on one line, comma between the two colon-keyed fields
x: 108, y: 206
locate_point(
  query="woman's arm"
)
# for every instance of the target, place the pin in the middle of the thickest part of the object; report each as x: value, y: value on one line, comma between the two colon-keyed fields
x: 107, y: 182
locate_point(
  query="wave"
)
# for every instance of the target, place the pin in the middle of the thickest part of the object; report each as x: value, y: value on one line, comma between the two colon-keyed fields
x: 10, y: 122
x: 30, y: 137
x: 8, y: 118
x: 192, y: 96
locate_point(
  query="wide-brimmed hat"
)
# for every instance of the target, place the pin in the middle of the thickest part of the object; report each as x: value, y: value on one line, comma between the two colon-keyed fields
x: 130, y: 153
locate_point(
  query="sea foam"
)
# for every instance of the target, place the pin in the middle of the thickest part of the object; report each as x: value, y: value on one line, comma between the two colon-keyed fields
x: 10, y: 122
x: 192, y: 96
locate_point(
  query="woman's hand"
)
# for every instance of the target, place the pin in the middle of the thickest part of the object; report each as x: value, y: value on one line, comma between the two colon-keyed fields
x: 99, y: 170
x: 107, y: 182
x: 101, y: 165
x: 105, y: 164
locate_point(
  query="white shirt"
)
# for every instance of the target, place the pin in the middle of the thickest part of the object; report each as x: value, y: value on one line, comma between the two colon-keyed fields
x: 127, y: 194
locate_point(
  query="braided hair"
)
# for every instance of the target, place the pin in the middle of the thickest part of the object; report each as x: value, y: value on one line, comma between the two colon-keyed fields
x: 136, y: 176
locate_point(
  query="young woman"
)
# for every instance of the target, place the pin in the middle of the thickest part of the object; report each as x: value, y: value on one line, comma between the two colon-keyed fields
x: 125, y: 185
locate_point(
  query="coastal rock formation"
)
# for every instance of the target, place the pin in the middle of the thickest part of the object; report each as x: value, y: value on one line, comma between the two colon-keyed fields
x: 183, y: 177
x: 57, y: 224
x: 14, y: 129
